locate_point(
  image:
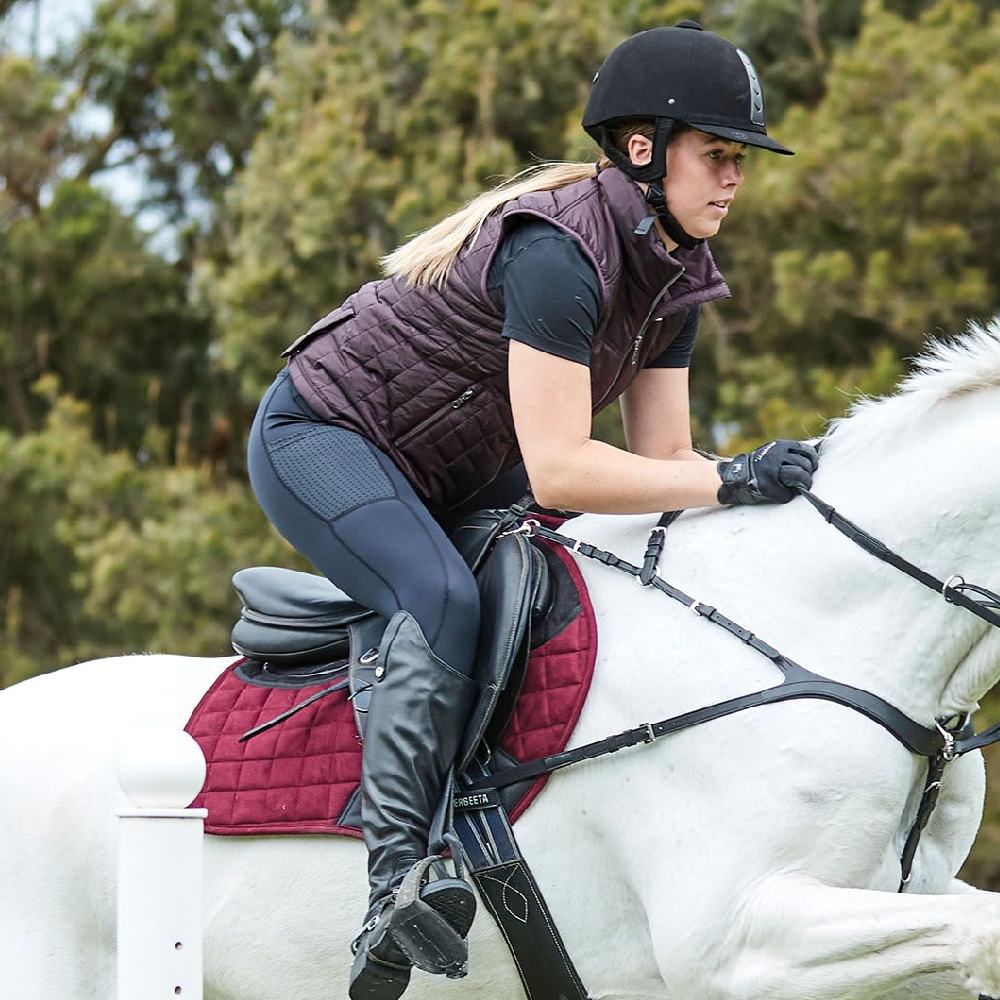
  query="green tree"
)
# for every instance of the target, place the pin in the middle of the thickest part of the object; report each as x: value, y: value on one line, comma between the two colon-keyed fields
x: 82, y: 298
x: 176, y: 80
x: 165, y: 88
x: 100, y: 555
x: 884, y: 227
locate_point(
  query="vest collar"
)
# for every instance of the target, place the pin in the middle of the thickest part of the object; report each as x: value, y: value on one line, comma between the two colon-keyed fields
x: 646, y: 258
x: 631, y: 212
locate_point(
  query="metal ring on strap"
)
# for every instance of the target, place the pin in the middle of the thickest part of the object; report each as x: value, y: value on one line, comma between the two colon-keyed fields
x: 949, y: 752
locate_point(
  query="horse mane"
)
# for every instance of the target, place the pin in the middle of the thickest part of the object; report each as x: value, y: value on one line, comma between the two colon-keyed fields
x: 948, y: 369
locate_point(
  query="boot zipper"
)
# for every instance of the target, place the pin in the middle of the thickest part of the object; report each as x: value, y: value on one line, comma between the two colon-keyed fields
x: 633, y: 358
x: 436, y: 415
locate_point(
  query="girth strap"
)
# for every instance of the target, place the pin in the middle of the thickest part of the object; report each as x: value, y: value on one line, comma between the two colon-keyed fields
x: 510, y: 892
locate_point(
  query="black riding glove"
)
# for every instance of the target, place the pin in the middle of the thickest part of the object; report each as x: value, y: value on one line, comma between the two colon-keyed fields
x: 769, y: 474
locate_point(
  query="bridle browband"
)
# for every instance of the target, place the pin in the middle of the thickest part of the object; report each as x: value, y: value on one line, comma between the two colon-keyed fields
x: 941, y: 745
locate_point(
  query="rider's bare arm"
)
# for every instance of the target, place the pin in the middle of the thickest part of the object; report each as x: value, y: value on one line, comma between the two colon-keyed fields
x: 656, y: 413
x: 550, y: 399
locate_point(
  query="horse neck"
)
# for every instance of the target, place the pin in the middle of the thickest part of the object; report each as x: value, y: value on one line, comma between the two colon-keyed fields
x: 837, y: 610
x: 933, y: 503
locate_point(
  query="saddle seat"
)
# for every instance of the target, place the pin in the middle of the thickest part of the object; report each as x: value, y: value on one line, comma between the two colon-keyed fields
x: 299, y: 626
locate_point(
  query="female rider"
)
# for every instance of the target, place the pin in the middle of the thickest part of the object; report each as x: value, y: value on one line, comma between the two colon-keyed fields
x: 482, y: 357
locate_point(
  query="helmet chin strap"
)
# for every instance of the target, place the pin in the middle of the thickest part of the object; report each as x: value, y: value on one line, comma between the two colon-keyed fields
x: 658, y: 202
x: 654, y: 177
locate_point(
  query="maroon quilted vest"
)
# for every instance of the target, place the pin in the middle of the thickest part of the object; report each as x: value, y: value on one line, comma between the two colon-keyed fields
x: 421, y: 371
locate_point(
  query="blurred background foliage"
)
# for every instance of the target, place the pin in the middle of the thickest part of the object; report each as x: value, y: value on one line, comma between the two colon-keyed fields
x: 285, y: 145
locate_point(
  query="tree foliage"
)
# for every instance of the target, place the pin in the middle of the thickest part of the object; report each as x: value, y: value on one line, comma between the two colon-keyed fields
x: 176, y: 80
x: 883, y: 228
x: 100, y: 555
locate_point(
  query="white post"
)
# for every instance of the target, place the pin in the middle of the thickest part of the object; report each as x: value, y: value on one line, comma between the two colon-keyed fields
x: 160, y: 867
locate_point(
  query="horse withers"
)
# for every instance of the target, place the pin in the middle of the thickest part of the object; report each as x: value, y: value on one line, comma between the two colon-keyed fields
x: 757, y: 856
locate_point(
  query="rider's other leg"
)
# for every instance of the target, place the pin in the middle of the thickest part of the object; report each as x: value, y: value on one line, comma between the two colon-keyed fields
x: 793, y: 937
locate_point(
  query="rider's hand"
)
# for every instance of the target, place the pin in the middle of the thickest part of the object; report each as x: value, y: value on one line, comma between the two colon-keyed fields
x: 768, y: 474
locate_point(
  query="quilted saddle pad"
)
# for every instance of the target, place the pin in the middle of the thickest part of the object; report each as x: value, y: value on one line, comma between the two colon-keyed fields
x: 302, y: 776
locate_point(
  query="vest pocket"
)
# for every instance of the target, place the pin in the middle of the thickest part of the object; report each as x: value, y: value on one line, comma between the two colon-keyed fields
x: 428, y: 421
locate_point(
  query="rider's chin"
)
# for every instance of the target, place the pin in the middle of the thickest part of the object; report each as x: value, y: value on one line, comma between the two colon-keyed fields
x: 702, y: 228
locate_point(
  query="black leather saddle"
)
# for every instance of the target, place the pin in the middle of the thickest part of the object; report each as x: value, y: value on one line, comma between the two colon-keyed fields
x: 298, y: 629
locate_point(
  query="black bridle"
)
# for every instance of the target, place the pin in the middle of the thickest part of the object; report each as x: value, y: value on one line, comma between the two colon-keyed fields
x: 945, y: 743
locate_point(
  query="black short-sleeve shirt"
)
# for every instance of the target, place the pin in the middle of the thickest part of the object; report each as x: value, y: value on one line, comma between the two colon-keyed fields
x: 552, y: 296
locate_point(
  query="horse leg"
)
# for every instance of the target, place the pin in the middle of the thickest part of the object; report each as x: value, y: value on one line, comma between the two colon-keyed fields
x: 958, y: 888
x: 791, y: 938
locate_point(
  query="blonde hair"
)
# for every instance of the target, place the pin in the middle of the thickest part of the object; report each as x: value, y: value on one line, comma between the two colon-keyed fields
x: 427, y: 257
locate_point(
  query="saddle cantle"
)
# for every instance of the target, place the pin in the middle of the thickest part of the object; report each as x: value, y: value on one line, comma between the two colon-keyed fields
x: 292, y: 618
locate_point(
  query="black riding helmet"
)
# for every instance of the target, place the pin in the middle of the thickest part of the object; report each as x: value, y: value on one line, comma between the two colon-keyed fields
x: 669, y: 75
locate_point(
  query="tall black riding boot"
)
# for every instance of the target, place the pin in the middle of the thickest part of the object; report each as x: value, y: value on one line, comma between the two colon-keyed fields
x: 418, y: 713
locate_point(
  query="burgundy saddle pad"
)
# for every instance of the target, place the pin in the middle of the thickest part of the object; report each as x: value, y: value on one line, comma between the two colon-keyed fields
x: 300, y: 776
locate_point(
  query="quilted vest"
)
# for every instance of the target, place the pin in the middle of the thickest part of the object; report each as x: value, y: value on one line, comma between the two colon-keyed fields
x: 421, y: 371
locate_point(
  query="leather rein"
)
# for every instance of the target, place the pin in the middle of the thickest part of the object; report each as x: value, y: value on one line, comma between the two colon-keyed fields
x: 945, y: 743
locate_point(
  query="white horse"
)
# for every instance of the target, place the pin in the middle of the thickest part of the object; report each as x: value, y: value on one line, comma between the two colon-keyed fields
x: 752, y: 858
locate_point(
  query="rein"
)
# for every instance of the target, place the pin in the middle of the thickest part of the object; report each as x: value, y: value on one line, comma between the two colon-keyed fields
x: 987, y: 609
x: 941, y: 745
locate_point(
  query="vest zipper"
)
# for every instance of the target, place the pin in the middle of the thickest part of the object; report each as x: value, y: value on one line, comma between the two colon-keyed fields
x: 633, y: 357
x: 434, y: 417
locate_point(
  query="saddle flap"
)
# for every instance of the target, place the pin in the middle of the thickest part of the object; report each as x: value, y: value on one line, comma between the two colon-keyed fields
x: 475, y: 536
x: 508, y: 580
